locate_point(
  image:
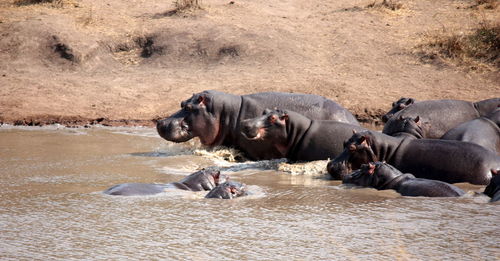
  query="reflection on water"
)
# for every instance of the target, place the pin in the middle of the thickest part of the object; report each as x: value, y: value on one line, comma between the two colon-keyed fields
x: 52, y: 207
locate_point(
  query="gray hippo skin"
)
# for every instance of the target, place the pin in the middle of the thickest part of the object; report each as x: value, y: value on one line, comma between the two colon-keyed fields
x: 205, y: 179
x: 443, y: 115
x: 383, y: 176
x: 228, y: 190
x: 297, y: 137
x: 481, y: 131
x: 407, y: 127
x: 493, y: 189
x: 214, y: 117
x: 445, y: 160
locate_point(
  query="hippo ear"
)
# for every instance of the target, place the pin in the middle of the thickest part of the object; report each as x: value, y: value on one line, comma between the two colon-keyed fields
x: 410, y: 101
x: 365, y: 141
x: 417, y: 119
x: 202, y: 100
x: 284, y: 117
x: 371, y: 169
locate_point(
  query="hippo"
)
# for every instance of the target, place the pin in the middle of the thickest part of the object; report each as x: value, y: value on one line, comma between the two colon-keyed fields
x: 442, y: 115
x: 481, y: 131
x: 297, y: 137
x: 445, y: 160
x: 228, y: 190
x: 205, y: 179
x: 214, y: 117
x: 382, y: 176
x: 397, y: 106
x: 406, y: 127
x: 493, y: 189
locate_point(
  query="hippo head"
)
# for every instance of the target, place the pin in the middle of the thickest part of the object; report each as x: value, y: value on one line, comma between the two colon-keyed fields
x: 405, y: 126
x: 494, y: 185
x: 397, y: 106
x: 205, y: 179
x: 198, y: 117
x: 374, y: 174
x: 228, y: 190
x: 357, y: 151
x: 272, y: 123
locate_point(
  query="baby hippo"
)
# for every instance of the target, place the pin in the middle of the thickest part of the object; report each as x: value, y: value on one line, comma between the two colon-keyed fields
x: 493, y: 189
x: 228, y: 190
x: 381, y: 176
x: 205, y: 179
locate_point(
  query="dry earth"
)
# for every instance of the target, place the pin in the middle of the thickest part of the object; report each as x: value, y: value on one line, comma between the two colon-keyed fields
x: 128, y: 62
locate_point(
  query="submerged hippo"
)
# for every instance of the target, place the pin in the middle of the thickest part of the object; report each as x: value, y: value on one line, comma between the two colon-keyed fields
x: 228, y: 190
x: 493, y: 189
x: 297, y: 137
x: 205, y: 179
x: 442, y: 115
x: 481, y: 131
x: 214, y: 117
x: 445, y: 160
x: 383, y: 176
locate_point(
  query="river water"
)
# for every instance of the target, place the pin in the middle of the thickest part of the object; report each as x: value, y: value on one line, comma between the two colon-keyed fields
x: 52, y: 207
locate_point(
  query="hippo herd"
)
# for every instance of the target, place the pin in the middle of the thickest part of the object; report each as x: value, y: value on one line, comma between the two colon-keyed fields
x: 424, y: 146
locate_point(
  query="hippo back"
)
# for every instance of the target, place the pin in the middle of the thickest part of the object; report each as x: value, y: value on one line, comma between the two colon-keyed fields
x: 439, y: 115
x: 312, y: 106
x: 480, y: 131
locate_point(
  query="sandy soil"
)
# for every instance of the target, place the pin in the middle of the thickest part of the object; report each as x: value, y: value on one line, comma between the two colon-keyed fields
x: 121, y: 62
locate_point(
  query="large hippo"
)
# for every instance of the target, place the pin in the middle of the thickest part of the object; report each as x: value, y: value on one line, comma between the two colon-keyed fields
x: 214, y: 117
x: 445, y: 160
x: 228, y: 190
x: 493, y: 189
x: 481, y: 131
x: 205, y: 179
x: 297, y: 137
x: 383, y: 176
x: 441, y: 115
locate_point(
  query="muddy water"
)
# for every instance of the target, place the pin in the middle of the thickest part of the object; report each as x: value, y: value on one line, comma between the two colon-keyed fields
x: 52, y: 207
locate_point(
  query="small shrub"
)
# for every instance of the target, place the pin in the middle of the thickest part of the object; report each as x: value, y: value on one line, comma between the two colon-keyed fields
x: 479, y: 48
x: 389, y: 4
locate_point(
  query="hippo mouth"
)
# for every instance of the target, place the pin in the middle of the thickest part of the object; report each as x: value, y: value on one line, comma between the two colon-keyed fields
x: 254, y: 135
x: 174, y: 129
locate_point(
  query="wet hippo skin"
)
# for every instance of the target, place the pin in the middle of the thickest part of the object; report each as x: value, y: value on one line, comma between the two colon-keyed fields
x: 228, y: 190
x: 448, y: 161
x: 493, y: 189
x: 383, y: 176
x: 297, y: 137
x: 214, y: 117
x: 205, y: 179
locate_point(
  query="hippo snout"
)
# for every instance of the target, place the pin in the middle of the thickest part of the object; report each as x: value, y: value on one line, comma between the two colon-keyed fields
x: 173, y: 129
x: 250, y: 130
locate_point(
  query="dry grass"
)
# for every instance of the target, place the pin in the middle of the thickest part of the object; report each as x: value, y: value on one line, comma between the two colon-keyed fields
x: 476, y: 50
x: 185, y: 5
x: 387, y: 4
x: 486, y: 4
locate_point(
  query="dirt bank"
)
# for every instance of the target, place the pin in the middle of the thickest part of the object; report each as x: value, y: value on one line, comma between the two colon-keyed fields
x: 116, y: 62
